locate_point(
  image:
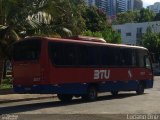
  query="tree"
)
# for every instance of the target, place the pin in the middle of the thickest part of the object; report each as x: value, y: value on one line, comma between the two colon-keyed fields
x: 157, y: 17
x: 107, y: 34
x: 14, y: 20
x: 126, y: 17
x: 151, y: 41
x: 69, y: 16
x: 95, y: 19
x: 145, y: 15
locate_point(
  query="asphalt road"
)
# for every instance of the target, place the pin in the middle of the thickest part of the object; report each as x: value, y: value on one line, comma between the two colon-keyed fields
x: 125, y: 106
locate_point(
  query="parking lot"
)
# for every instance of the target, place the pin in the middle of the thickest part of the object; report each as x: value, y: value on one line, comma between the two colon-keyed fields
x: 125, y: 103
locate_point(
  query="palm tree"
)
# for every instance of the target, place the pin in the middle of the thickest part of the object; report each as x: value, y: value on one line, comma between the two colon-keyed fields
x: 14, y: 20
x: 19, y: 18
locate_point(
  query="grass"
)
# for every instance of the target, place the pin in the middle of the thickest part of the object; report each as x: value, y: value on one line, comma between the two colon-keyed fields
x: 6, y: 84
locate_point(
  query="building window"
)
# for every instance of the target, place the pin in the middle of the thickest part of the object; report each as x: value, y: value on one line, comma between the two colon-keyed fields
x: 128, y: 34
x: 119, y: 31
x: 139, y: 30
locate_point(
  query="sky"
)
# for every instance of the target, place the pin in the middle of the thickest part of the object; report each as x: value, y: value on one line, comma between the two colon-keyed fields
x: 149, y: 2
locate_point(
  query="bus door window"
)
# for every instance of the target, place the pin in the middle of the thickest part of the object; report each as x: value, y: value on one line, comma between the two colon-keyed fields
x: 140, y: 58
x: 147, y: 62
x: 134, y: 59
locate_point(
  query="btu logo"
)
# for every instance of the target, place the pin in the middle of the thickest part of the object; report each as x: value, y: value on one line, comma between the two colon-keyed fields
x: 101, y: 74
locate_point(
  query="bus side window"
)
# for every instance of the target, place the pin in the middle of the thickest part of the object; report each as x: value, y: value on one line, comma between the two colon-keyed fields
x: 82, y: 55
x: 147, y: 62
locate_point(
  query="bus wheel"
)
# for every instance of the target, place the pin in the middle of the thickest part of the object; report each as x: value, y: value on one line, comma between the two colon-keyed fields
x: 64, y: 97
x: 140, y: 89
x: 114, y: 93
x: 91, y: 95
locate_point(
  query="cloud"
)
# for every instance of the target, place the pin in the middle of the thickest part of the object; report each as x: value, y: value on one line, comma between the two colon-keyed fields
x: 149, y: 2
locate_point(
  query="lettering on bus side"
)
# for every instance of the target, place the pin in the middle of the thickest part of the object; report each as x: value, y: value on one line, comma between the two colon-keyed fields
x: 101, y: 74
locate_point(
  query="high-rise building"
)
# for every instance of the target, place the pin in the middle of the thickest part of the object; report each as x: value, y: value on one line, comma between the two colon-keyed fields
x: 121, y: 6
x: 155, y: 8
x: 90, y: 2
x: 130, y: 4
x: 138, y: 4
x: 134, y: 5
x: 102, y: 4
x: 111, y: 7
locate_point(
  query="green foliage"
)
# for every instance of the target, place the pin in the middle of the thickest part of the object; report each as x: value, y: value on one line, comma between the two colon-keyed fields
x: 157, y: 17
x: 93, y: 34
x: 126, y: 17
x: 108, y: 34
x: 95, y: 19
x: 151, y: 41
x: 6, y: 84
x: 97, y: 26
x: 67, y: 14
x: 111, y: 36
x: 144, y: 15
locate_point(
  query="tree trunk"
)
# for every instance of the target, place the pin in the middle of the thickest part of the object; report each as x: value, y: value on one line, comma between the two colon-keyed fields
x: 1, y: 69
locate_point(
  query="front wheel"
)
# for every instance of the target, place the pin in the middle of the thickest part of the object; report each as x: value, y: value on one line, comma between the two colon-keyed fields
x: 91, y: 94
x: 64, y: 97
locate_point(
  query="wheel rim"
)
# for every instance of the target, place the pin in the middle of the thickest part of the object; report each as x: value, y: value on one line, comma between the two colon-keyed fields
x: 92, y: 94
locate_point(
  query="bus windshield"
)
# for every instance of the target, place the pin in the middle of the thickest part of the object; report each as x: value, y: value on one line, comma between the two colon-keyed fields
x: 27, y: 50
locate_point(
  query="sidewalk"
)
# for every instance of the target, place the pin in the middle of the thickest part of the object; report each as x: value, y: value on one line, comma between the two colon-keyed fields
x: 7, y: 96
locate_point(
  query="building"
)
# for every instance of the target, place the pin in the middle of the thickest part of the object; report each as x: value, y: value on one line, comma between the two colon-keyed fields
x: 121, y: 6
x: 155, y: 8
x: 102, y: 4
x: 138, y: 5
x: 90, y: 2
x: 131, y: 33
x: 130, y: 4
x: 134, y: 4
x: 111, y: 7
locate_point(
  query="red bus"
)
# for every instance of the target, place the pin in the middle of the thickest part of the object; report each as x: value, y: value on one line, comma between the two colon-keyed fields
x: 79, y: 66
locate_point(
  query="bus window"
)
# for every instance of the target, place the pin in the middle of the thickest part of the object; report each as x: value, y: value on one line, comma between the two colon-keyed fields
x: 62, y: 54
x: 82, y: 55
x: 27, y: 50
x: 147, y: 62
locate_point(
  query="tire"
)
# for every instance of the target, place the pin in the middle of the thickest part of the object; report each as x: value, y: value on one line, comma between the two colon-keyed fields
x: 91, y: 94
x: 140, y: 89
x: 114, y: 93
x: 64, y: 97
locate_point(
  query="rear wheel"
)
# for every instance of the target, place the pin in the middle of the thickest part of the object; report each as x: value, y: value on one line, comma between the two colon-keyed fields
x: 91, y: 94
x: 114, y: 93
x: 140, y: 89
x: 64, y: 97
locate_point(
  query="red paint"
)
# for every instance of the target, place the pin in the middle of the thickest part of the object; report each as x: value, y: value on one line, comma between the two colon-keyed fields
x: 42, y: 72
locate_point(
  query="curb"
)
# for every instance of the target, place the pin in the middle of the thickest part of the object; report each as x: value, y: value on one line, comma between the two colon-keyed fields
x: 10, y: 92
x: 7, y: 91
x: 26, y: 99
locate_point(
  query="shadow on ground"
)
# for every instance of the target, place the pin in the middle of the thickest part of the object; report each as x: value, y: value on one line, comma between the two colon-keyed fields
x: 35, y: 106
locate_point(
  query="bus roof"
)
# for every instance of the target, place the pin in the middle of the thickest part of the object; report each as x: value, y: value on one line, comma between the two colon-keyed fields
x: 79, y: 41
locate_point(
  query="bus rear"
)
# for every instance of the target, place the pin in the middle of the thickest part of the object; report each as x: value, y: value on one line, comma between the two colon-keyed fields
x: 27, y: 65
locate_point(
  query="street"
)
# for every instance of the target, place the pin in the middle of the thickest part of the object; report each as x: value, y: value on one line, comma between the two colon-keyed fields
x: 124, y: 103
